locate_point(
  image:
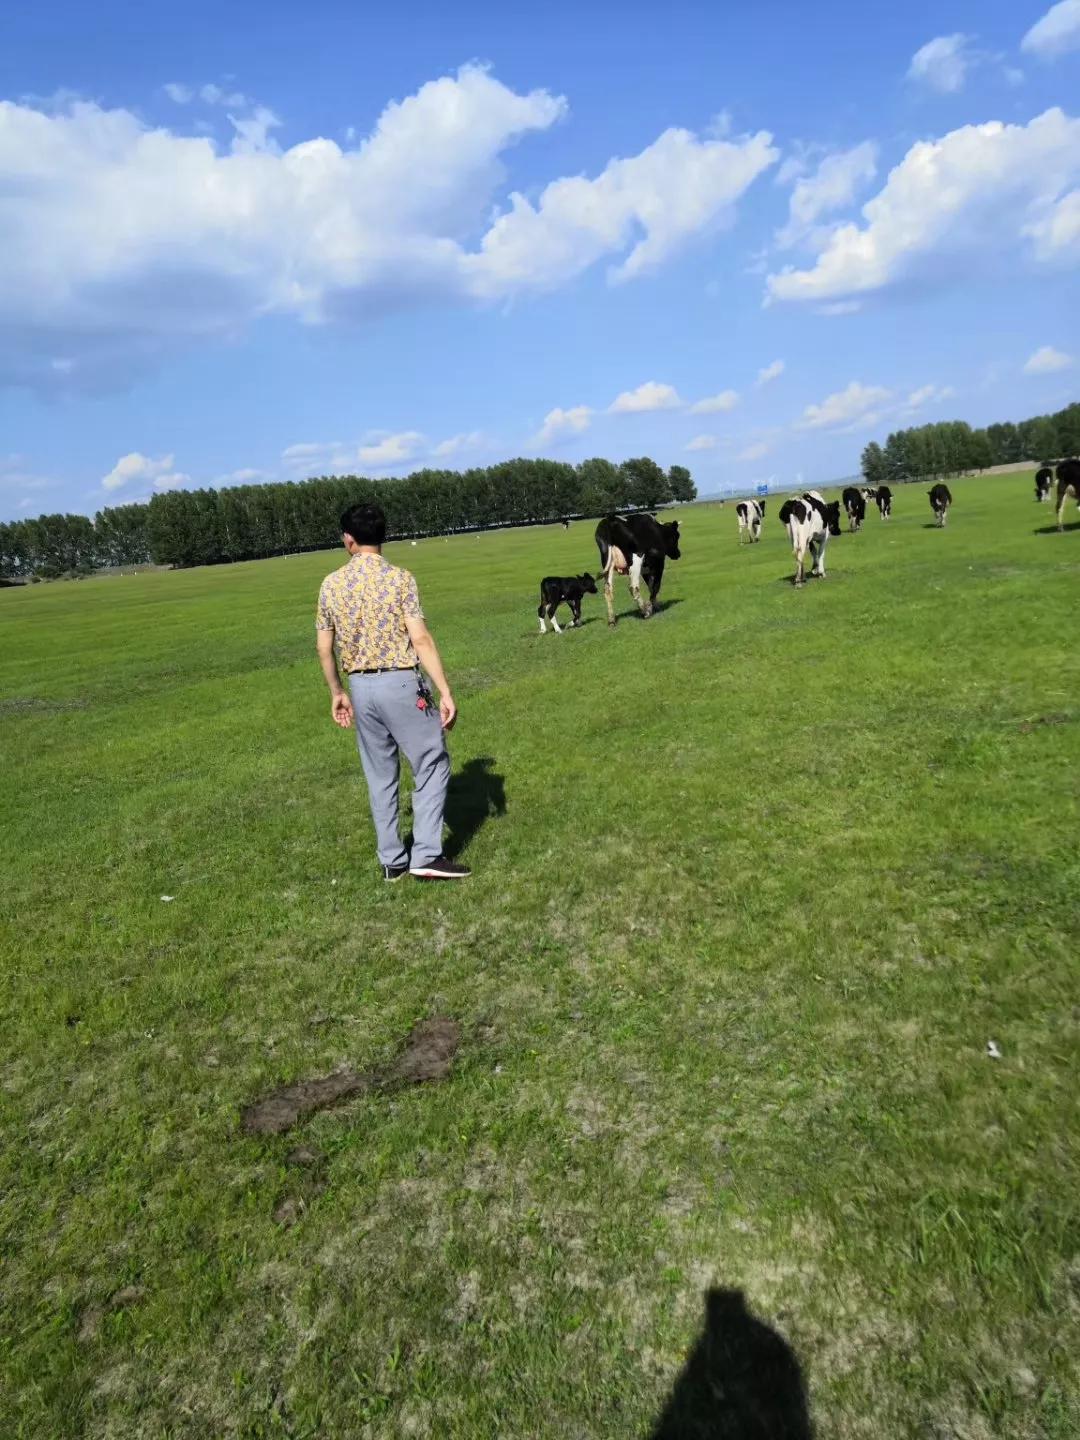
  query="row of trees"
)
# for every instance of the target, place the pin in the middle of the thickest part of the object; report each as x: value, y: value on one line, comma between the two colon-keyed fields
x: 952, y: 446
x: 249, y: 522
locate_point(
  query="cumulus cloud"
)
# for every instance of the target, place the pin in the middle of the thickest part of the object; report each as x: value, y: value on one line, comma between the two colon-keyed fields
x: 770, y: 372
x: 832, y: 187
x: 1046, y: 361
x: 143, y: 469
x: 179, y: 94
x: 856, y: 404
x: 1056, y: 33
x: 650, y: 396
x: 703, y: 442
x: 942, y: 64
x: 561, y: 424
x: 385, y: 450
x: 754, y: 451
x: 926, y: 395
x: 121, y: 241
x: 457, y: 444
x: 715, y: 404
x: 948, y: 205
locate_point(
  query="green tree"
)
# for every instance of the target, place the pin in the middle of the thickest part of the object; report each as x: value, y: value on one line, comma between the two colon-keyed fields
x: 681, y: 484
x: 647, y: 484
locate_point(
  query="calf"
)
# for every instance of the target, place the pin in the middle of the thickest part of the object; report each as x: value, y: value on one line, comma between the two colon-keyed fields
x: 810, y: 522
x: 1043, y: 480
x: 750, y: 513
x: 1068, y: 483
x: 883, y: 496
x: 855, y: 505
x: 636, y: 546
x: 556, y: 590
x: 940, y: 500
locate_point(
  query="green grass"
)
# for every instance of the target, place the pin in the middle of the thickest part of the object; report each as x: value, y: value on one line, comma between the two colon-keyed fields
x: 774, y: 868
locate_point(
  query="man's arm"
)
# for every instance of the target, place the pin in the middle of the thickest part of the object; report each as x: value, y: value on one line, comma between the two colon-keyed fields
x: 428, y: 655
x: 341, y: 710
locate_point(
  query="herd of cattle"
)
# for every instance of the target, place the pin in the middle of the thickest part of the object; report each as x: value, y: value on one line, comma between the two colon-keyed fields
x: 638, y: 546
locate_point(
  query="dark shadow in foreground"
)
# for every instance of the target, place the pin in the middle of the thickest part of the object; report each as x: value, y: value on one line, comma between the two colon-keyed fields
x: 1053, y: 530
x: 660, y: 607
x: 741, y: 1382
x: 475, y: 792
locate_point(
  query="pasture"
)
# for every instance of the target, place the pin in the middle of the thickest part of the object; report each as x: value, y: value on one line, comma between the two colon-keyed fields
x: 756, y: 882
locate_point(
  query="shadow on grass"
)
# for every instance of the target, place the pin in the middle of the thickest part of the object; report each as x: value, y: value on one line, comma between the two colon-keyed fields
x: 661, y: 605
x: 476, y: 791
x: 1053, y: 530
x: 741, y: 1382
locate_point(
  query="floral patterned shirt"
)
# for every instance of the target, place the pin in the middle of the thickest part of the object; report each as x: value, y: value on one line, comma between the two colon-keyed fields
x: 366, y: 604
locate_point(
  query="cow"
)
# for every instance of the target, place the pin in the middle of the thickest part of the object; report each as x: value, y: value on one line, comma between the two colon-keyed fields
x: 855, y: 505
x: 750, y: 513
x: 868, y: 493
x: 556, y: 590
x: 883, y: 496
x: 810, y: 521
x: 1044, y: 478
x: 636, y: 546
x: 1068, y: 483
x: 940, y: 500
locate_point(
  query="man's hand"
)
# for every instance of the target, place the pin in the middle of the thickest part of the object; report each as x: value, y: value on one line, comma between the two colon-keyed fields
x: 447, y: 710
x: 341, y: 710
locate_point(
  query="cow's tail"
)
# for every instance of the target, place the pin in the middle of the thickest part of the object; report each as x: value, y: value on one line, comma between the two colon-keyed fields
x: 605, y: 556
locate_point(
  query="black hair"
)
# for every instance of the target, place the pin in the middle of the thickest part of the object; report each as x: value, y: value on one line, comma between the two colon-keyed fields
x: 365, y: 523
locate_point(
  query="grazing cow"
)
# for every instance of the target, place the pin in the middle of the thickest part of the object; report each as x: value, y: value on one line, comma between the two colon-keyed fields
x: 868, y: 493
x: 883, y: 496
x: 810, y: 521
x: 1068, y: 483
x: 556, y: 590
x: 636, y: 546
x: 750, y: 513
x: 855, y: 505
x: 1044, y: 478
x: 940, y: 500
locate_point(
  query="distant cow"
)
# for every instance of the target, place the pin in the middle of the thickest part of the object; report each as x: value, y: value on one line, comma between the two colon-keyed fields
x: 1044, y: 479
x: 940, y: 500
x: 883, y: 496
x: 855, y: 505
x: 556, y: 590
x: 750, y: 513
x: 810, y: 521
x: 1068, y: 483
x: 636, y: 546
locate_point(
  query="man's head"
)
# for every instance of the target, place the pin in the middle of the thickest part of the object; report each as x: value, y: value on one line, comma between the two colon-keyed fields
x: 363, y: 525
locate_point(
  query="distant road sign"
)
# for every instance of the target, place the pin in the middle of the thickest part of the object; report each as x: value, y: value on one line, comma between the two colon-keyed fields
x: 763, y: 489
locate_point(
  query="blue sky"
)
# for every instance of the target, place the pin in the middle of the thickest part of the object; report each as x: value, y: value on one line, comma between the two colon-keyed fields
x: 265, y: 241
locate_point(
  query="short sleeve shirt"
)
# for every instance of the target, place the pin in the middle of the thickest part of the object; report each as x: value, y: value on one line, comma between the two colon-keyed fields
x: 366, y: 604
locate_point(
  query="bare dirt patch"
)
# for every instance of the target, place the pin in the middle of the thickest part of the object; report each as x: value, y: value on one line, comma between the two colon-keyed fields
x: 427, y: 1055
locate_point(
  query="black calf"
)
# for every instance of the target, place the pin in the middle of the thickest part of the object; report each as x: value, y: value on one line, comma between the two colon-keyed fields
x: 556, y: 590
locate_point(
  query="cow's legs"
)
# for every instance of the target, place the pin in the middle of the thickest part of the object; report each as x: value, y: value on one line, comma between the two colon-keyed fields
x: 575, y: 614
x: 554, y: 622
x: 635, y: 585
x: 800, y: 556
x: 818, y: 553
x: 609, y: 601
x: 540, y: 612
x: 1063, y: 495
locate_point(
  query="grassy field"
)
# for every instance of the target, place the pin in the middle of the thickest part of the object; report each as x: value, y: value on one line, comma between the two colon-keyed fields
x: 756, y: 882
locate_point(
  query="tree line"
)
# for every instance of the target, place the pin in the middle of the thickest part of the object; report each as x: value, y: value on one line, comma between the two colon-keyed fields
x: 950, y: 447
x: 251, y: 522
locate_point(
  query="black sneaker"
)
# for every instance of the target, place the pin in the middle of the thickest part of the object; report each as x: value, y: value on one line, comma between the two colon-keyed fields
x: 392, y: 873
x: 440, y: 869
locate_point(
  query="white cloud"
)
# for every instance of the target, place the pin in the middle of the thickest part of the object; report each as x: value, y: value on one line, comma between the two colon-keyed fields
x: 856, y: 404
x: 215, y: 95
x: 1046, y: 361
x: 650, y: 396
x: 942, y: 64
x: 561, y: 424
x: 976, y: 192
x: 386, y: 450
x: 245, y: 476
x: 138, y: 467
x: 770, y: 372
x: 172, y: 481
x: 833, y: 186
x: 716, y: 404
x: 926, y: 395
x: 123, y: 241
x: 1056, y: 33
x: 753, y: 452
x: 456, y: 444
x: 179, y: 94
x: 703, y: 442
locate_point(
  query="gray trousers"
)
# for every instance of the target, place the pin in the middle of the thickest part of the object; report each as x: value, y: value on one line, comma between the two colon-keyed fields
x: 388, y: 722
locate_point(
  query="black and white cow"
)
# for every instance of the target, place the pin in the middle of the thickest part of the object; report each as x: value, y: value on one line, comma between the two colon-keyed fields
x: 940, y: 500
x: 1068, y: 483
x: 1044, y: 479
x: 810, y: 521
x: 868, y: 493
x: 751, y: 513
x: 855, y: 505
x: 883, y: 496
x: 635, y: 546
x: 556, y: 590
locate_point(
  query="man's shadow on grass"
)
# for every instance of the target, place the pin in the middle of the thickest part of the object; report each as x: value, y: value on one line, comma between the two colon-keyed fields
x: 475, y: 792
x: 741, y: 1381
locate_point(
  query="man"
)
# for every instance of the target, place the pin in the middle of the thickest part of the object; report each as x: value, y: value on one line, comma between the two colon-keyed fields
x: 370, y: 611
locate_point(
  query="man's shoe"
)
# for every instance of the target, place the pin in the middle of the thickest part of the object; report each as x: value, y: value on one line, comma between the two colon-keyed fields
x: 392, y: 873
x: 441, y: 869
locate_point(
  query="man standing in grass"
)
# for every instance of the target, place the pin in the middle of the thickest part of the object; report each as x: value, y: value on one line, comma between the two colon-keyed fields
x: 370, y: 611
